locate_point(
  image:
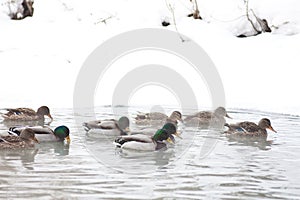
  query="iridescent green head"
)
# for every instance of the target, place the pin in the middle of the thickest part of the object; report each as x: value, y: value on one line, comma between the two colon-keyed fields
x: 166, y: 132
x: 62, y: 132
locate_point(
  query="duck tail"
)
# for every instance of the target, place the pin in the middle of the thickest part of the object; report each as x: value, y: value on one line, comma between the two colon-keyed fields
x: 14, y: 131
x: 119, y: 141
x: 227, y: 125
x: 86, y: 126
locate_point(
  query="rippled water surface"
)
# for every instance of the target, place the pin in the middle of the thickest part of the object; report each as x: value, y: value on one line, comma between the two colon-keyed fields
x: 204, y: 164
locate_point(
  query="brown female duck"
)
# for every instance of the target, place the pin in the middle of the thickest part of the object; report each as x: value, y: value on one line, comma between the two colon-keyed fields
x: 206, y: 119
x: 157, y: 118
x: 250, y: 129
x: 27, y: 114
x: 26, y: 139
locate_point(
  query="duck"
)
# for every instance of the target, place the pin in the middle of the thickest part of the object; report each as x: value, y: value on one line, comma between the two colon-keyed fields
x: 141, y: 142
x: 120, y: 127
x: 26, y: 139
x: 157, y: 118
x: 250, y: 129
x: 207, y: 119
x: 45, y: 134
x: 27, y: 114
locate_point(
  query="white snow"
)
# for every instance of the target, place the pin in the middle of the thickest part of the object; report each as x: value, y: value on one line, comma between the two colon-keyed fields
x: 41, y: 56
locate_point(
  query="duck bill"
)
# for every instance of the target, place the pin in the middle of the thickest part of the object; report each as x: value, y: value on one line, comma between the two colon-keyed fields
x: 178, y: 135
x: 36, y: 140
x: 272, y: 129
x: 170, y: 140
x: 127, y: 130
x: 68, y: 139
x: 50, y: 117
x: 228, y: 116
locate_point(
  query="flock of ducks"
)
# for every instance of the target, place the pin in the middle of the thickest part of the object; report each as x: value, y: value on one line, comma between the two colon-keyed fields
x: 151, y: 139
x: 28, y: 136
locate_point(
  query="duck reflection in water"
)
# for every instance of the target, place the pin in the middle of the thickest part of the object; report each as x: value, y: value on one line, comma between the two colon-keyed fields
x: 9, y: 124
x: 261, y: 143
x: 26, y: 156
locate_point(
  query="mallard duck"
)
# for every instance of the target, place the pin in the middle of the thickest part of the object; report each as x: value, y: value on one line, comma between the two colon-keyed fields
x: 26, y: 139
x: 27, y: 114
x: 45, y: 134
x: 120, y: 127
x: 157, y: 118
x: 206, y: 119
x: 250, y: 129
x: 143, y: 142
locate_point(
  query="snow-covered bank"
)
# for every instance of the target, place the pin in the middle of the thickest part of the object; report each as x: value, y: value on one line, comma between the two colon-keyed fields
x: 41, y: 56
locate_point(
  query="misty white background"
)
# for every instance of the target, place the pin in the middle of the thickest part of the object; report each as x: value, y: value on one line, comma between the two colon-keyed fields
x: 40, y: 57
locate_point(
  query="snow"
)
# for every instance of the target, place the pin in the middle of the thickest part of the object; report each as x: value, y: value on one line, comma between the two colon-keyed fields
x: 41, y: 56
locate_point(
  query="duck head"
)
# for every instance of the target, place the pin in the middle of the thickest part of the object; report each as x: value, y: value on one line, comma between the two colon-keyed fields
x: 63, y: 133
x: 221, y: 112
x: 123, y: 125
x: 44, y: 110
x: 28, y: 135
x: 176, y: 115
x: 266, y: 124
x: 166, y: 133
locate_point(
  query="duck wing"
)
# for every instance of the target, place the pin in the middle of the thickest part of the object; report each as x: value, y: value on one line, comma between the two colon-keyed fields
x: 157, y: 116
x: 151, y: 116
x: 203, y: 115
x: 20, y: 114
x: 37, y: 130
x: 92, y: 125
x: 100, y: 124
x: 249, y: 126
x: 108, y: 124
x: 10, y: 139
x: 20, y: 111
x: 140, y: 138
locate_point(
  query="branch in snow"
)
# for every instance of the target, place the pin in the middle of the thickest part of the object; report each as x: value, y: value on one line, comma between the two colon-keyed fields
x: 196, y: 13
x: 262, y: 23
x: 104, y: 20
x: 171, y: 9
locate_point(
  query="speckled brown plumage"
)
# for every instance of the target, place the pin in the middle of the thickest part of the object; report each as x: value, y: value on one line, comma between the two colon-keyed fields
x: 27, y: 114
x: 157, y: 118
x: 206, y: 119
x: 25, y: 140
x: 250, y: 129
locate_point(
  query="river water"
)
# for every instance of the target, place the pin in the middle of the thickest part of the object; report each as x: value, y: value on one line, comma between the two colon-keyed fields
x: 204, y: 164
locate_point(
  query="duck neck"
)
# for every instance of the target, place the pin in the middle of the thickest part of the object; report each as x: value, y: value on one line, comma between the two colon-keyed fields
x: 157, y: 136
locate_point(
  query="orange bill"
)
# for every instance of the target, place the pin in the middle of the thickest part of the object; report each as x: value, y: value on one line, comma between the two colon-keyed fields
x: 50, y: 116
x: 68, y: 139
x: 272, y: 129
x: 36, y: 140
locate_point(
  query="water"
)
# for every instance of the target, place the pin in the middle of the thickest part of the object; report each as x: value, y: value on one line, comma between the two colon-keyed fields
x: 203, y: 165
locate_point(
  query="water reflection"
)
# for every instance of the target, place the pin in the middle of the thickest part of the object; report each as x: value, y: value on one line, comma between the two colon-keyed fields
x: 26, y: 156
x: 9, y: 124
x: 260, y: 142
x: 59, y: 148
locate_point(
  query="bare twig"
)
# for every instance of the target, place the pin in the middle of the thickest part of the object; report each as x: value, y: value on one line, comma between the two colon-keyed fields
x: 197, y: 12
x: 263, y: 23
x: 171, y: 9
x: 247, y: 14
x: 104, y: 20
